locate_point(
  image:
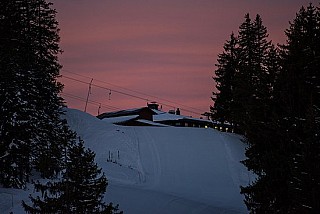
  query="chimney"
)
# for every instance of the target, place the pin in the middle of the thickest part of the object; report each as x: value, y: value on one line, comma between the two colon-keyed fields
x: 153, y: 105
x: 178, y: 111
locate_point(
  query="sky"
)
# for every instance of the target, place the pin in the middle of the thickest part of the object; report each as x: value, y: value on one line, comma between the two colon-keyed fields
x: 139, y: 51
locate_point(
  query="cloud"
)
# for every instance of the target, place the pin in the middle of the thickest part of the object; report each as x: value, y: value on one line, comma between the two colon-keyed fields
x: 164, y: 48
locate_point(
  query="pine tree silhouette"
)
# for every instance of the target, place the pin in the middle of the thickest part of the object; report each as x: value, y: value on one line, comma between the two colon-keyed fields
x: 80, y: 190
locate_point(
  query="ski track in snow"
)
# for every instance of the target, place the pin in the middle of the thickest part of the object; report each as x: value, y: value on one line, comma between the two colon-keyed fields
x: 231, y: 161
x: 147, y: 152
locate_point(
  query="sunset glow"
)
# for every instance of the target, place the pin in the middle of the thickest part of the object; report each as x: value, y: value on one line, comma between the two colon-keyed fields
x: 166, y: 50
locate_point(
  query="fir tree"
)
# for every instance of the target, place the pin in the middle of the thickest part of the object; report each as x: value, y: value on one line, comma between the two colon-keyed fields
x: 84, y: 180
x: 287, y: 159
x: 300, y: 100
x: 43, y: 32
x: 80, y: 190
x: 254, y: 84
x: 256, y: 67
x: 30, y: 107
x: 16, y: 108
x: 32, y: 134
x: 224, y: 78
x: 251, y: 89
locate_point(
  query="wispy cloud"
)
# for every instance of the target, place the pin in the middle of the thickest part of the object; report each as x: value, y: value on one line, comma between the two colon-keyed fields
x: 165, y: 48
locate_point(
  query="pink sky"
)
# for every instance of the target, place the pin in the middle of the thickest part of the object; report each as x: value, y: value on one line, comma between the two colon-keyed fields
x: 166, y: 49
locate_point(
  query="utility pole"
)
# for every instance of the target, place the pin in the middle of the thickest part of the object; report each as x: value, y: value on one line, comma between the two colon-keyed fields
x: 99, y: 108
x: 89, y: 92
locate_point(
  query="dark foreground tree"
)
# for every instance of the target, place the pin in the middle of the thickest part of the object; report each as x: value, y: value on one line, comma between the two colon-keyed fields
x: 287, y: 160
x: 245, y: 78
x: 80, y: 190
x: 30, y: 108
x: 224, y: 78
x: 32, y: 134
x: 299, y: 96
x: 251, y: 90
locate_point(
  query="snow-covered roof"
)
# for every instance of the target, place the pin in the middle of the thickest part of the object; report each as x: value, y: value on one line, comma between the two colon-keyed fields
x: 157, y: 111
x: 152, y: 123
x: 164, y: 116
x: 161, y: 116
x: 121, y: 119
x: 158, y: 116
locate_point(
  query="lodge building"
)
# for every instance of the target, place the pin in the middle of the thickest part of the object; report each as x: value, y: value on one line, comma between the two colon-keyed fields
x: 152, y: 116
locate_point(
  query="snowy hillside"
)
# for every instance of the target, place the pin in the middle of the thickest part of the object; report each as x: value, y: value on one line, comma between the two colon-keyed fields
x: 161, y: 169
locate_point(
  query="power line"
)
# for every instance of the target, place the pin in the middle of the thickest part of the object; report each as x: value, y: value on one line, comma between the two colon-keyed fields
x: 124, y: 93
x: 138, y: 92
x: 93, y: 102
x: 127, y: 94
x: 102, y: 87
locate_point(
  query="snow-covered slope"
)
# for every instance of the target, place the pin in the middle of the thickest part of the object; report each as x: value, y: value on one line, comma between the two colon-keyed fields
x: 164, y: 169
x: 167, y: 169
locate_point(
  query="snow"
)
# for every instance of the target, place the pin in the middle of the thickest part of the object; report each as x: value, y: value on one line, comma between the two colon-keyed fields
x: 160, y: 169
x: 148, y: 122
x: 163, y: 116
x: 120, y: 119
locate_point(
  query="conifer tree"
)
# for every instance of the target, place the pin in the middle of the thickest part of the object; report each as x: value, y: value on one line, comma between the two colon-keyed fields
x: 16, y: 108
x: 250, y: 81
x: 261, y: 158
x: 30, y: 107
x: 80, y: 190
x: 84, y: 180
x: 287, y: 159
x: 298, y: 94
x: 224, y: 78
x: 256, y: 65
x: 32, y: 134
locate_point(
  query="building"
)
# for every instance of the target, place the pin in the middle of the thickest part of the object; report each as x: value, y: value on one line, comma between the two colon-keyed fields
x: 130, y: 117
x: 180, y: 120
x: 152, y: 116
